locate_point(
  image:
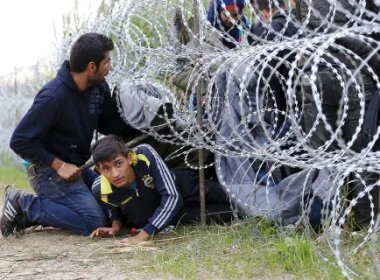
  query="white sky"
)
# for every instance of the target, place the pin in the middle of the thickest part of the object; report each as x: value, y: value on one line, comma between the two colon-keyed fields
x: 27, y: 32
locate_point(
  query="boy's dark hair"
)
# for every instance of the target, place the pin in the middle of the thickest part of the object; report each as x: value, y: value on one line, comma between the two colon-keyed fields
x: 107, y: 148
x: 89, y: 47
x: 264, y: 4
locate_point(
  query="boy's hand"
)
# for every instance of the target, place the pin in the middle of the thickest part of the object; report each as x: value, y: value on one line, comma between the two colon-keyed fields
x: 140, y: 237
x: 104, y: 232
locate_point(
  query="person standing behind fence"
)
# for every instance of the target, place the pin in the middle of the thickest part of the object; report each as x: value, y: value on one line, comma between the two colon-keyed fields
x: 276, y: 24
x: 55, y: 137
x: 227, y: 16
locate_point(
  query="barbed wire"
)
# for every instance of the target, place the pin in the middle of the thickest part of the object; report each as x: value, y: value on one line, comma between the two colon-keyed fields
x: 286, y: 109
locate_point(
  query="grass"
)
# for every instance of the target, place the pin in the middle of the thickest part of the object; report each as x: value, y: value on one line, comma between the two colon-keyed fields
x: 249, y: 249
x: 10, y: 175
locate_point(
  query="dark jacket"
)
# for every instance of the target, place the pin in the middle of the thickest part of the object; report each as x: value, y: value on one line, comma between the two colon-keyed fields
x: 321, y: 12
x: 62, y: 120
x: 151, y: 203
x: 280, y: 25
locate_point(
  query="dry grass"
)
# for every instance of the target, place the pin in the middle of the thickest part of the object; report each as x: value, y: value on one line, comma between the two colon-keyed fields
x: 11, y: 175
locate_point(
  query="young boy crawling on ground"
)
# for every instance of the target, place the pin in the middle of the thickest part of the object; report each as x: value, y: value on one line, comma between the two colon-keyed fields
x: 137, y: 188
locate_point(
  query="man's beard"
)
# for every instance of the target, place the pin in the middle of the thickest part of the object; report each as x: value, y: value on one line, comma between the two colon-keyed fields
x: 96, y: 81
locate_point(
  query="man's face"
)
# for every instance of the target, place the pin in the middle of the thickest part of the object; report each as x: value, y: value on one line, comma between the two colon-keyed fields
x: 97, y: 74
x: 118, y: 171
x: 229, y: 16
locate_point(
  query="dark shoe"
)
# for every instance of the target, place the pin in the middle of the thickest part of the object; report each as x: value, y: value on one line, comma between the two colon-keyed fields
x: 12, y: 215
x: 23, y: 224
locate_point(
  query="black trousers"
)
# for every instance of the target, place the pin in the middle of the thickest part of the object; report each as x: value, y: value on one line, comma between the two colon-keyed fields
x: 334, y: 98
x: 218, y: 208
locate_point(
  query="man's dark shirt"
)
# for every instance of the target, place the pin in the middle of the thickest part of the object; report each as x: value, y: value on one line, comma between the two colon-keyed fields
x: 62, y: 120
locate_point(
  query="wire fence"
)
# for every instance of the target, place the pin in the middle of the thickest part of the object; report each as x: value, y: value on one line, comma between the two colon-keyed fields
x: 290, y: 99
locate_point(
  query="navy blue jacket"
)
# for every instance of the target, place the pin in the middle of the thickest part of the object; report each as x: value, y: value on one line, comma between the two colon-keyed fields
x: 151, y: 202
x: 62, y: 120
x: 280, y: 26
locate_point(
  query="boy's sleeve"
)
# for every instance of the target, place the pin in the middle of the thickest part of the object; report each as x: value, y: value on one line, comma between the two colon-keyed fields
x: 171, y: 201
x: 33, y: 127
x: 112, y: 213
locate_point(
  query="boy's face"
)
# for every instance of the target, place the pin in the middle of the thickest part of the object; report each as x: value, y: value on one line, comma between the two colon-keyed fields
x: 118, y: 171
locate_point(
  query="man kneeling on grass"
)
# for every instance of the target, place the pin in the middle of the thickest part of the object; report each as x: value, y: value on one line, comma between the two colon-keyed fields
x: 137, y: 188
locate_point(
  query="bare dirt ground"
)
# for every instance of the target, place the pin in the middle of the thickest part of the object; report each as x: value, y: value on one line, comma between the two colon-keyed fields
x: 57, y: 254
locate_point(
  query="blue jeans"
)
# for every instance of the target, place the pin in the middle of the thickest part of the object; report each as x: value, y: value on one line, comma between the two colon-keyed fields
x: 62, y: 204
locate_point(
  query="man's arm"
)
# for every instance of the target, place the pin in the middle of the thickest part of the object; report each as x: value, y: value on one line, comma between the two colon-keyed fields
x: 66, y: 170
x: 257, y: 32
x: 26, y: 140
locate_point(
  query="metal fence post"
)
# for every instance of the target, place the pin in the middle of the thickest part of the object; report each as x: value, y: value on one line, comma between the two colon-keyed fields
x: 202, y: 196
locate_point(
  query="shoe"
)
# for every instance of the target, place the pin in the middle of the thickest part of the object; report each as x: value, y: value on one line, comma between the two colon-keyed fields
x: 23, y: 224
x: 12, y: 215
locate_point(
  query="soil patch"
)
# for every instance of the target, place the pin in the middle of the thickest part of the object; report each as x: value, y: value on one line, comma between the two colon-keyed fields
x: 47, y: 253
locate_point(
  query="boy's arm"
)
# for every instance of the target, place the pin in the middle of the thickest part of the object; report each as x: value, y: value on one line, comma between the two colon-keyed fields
x: 113, y: 214
x: 171, y: 201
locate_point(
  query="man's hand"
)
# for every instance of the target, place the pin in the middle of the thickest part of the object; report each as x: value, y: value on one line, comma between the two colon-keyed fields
x: 140, y: 237
x: 69, y: 172
x: 104, y: 232
x: 66, y: 171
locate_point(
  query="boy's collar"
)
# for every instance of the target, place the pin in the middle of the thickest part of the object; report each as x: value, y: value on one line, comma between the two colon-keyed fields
x: 105, y: 186
x: 136, y: 157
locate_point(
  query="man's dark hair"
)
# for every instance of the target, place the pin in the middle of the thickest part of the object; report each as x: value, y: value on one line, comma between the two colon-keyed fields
x: 89, y: 47
x: 107, y: 148
x: 265, y: 4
